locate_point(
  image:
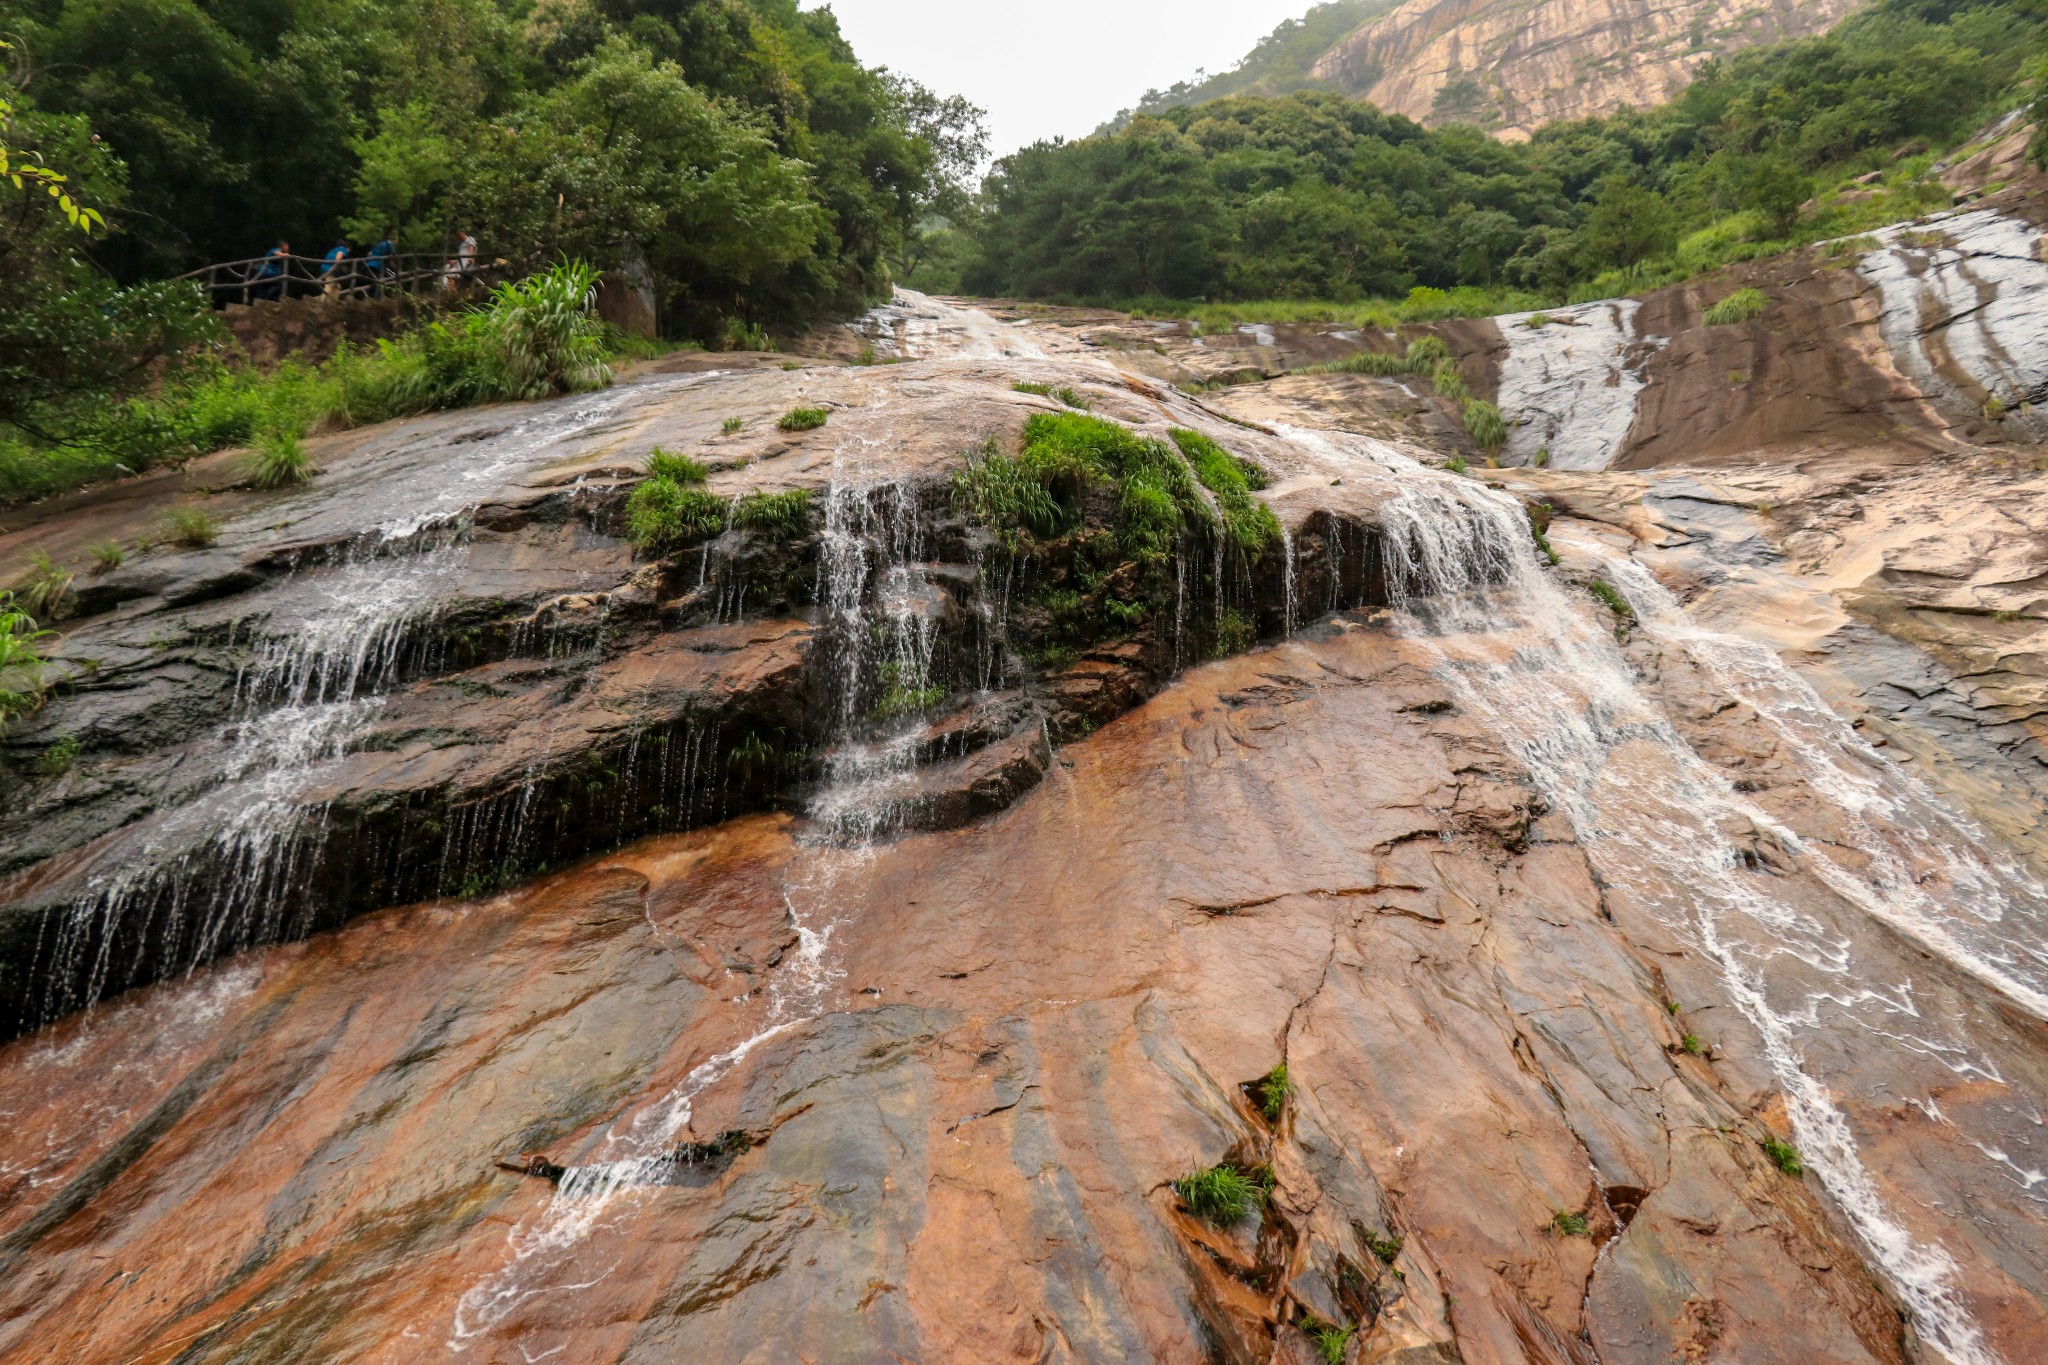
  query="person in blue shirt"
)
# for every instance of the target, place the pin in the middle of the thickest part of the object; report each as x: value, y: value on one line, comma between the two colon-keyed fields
x: 270, y: 275
x: 378, y: 264
x: 331, y: 271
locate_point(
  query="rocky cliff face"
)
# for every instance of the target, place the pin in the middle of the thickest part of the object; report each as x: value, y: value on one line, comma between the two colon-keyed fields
x: 1635, y: 863
x: 1517, y: 66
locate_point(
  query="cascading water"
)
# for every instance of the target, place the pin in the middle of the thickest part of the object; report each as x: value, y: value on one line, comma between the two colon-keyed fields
x: 215, y: 872
x: 1659, y: 823
x: 877, y: 609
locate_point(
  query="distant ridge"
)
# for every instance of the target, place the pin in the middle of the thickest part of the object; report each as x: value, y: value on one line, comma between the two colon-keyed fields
x: 1507, y: 65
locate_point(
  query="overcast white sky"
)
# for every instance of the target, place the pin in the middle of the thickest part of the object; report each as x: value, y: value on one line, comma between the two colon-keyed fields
x: 1049, y: 67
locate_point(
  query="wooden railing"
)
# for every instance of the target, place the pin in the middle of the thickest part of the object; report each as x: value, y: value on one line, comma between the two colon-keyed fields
x: 272, y: 278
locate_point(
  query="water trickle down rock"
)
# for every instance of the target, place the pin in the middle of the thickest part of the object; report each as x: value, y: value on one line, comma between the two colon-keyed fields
x: 1569, y: 387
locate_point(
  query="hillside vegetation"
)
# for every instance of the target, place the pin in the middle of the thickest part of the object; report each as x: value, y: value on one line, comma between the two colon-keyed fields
x: 1279, y: 65
x: 1312, y: 196
x: 734, y: 154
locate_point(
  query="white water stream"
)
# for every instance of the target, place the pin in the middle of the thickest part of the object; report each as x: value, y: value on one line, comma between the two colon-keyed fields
x: 1660, y: 824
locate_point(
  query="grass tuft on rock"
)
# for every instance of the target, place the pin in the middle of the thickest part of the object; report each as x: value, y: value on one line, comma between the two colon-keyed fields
x: 1426, y: 353
x: 192, y: 527
x: 1272, y: 1092
x: 1386, y: 1250
x: 1061, y: 393
x: 279, y: 461
x: 107, y: 555
x: 1739, y: 307
x: 1570, y: 1224
x: 1220, y: 1194
x: 1489, y: 431
x: 1784, y: 1156
x: 1247, y: 523
x: 46, y: 590
x: 785, y: 514
x: 1616, y: 603
x: 56, y: 760
x: 661, y: 515
x: 21, y: 659
x: 803, y: 419
x: 666, y: 464
x: 1331, y: 1341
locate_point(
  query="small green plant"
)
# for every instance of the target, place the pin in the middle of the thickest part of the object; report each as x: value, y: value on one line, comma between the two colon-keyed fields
x: 21, y: 659
x: 867, y: 354
x: 107, y: 555
x: 1220, y: 1194
x: 2008, y: 617
x: 1457, y: 464
x: 1235, y: 633
x: 1784, y: 1156
x: 47, y: 588
x: 1489, y: 431
x: 58, y: 758
x: 192, y: 527
x: 1569, y: 1224
x: 1449, y: 381
x: 1541, y: 459
x: 1272, y: 1091
x: 1692, y: 1045
x: 1616, y: 603
x: 1387, y: 1249
x: 752, y: 754
x: 1426, y: 353
x: 1538, y: 320
x: 662, y: 514
x: 1740, y: 306
x: 1062, y: 393
x: 1673, y: 1006
x: 1123, y: 613
x: 904, y: 701
x: 1994, y: 407
x: 1381, y: 364
x: 278, y: 461
x: 787, y: 514
x: 1331, y: 1340
x: 741, y: 335
x: 685, y: 471
x: 732, y: 424
x: 1737, y: 378
x: 803, y: 419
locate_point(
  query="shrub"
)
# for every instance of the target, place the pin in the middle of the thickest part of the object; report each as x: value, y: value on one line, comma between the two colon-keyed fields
x: 803, y: 419
x: 192, y: 527
x: 680, y: 468
x: 58, y: 758
x: 46, y: 590
x: 21, y: 659
x: 1220, y: 1194
x: 107, y: 555
x: 732, y: 424
x: 1247, y: 523
x: 1784, y: 1156
x: 661, y: 514
x: 1488, y: 429
x: 551, y: 338
x: 788, y: 514
x: 1457, y: 464
x: 1740, y: 306
x: 279, y: 460
x: 1569, y: 1224
x: 1692, y: 1045
x: 747, y: 336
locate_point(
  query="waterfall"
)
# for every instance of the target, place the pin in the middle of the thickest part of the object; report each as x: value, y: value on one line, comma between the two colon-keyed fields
x: 1655, y: 819
x: 217, y: 868
x: 877, y: 609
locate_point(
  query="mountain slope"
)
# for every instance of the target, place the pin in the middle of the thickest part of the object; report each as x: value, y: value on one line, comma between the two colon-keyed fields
x: 1510, y: 65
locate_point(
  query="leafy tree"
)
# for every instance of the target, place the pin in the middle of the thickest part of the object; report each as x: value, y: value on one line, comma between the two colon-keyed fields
x: 1628, y: 223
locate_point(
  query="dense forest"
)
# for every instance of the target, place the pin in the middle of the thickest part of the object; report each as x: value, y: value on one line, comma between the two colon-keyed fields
x: 1313, y: 196
x: 758, y: 166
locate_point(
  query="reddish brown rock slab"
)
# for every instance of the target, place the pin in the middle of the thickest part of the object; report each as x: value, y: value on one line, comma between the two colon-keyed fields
x: 963, y: 1148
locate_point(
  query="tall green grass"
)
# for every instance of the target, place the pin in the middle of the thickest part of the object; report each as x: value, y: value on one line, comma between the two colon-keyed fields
x: 530, y: 339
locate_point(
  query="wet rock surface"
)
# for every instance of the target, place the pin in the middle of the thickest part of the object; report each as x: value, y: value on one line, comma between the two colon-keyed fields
x: 1658, y: 975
